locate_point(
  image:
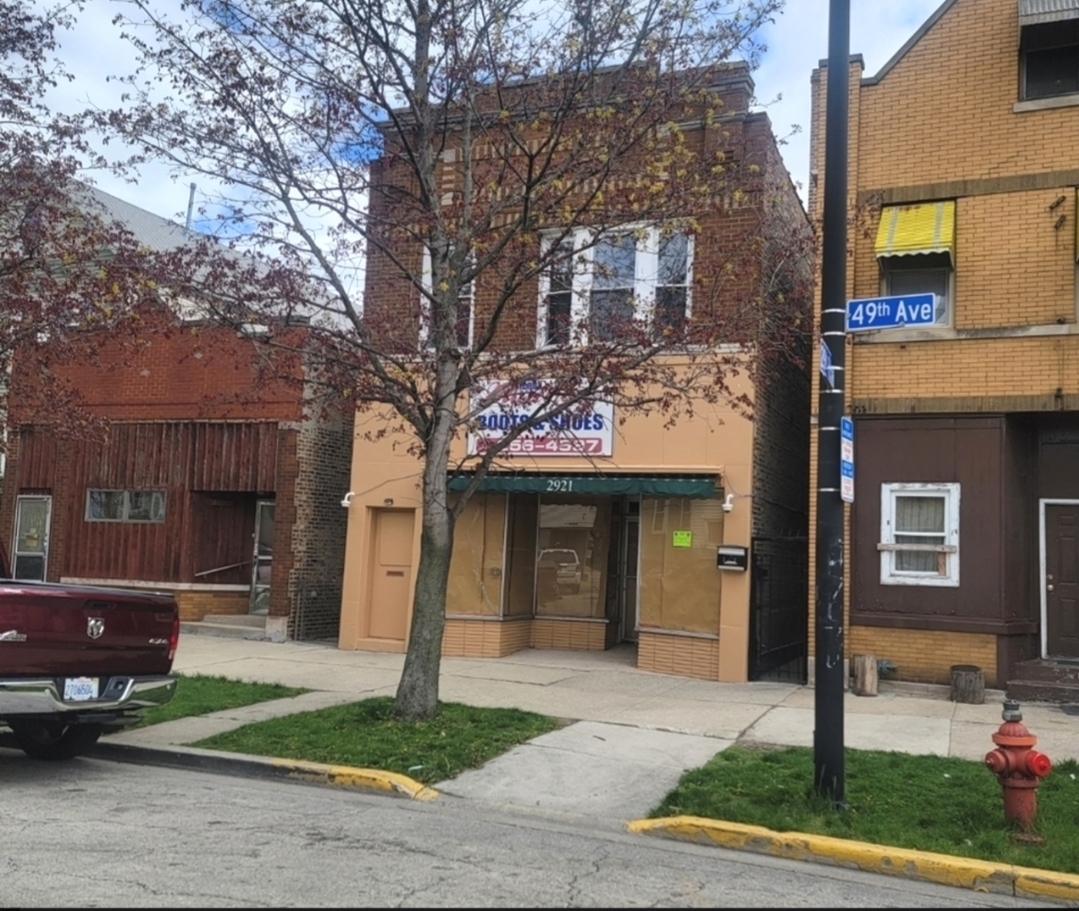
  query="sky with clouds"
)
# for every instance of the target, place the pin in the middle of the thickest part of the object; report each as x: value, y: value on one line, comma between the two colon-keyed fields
x: 796, y: 42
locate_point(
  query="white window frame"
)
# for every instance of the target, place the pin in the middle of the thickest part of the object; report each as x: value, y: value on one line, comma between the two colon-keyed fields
x: 888, y: 547
x: 889, y: 265
x: 646, y: 273
x: 425, y: 307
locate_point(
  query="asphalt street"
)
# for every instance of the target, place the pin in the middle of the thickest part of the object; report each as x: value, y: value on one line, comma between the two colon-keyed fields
x: 93, y: 834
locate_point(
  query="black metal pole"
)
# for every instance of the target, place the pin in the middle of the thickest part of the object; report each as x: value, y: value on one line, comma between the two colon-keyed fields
x: 828, y: 679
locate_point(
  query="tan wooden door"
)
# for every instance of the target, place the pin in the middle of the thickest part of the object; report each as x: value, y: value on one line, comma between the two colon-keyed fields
x: 391, y: 573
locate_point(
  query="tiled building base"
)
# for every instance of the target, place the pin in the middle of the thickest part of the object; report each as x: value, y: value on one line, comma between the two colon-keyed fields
x: 687, y: 656
x: 197, y: 605
x: 483, y: 638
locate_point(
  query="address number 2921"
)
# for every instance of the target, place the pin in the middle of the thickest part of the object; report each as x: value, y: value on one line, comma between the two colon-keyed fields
x: 559, y: 485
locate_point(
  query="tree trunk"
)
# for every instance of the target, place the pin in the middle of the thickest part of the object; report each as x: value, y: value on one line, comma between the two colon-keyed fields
x: 417, y: 693
x: 865, y: 675
x: 968, y: 684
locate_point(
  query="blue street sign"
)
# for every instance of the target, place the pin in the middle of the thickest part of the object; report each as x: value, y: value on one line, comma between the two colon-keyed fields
x: 891, y: 312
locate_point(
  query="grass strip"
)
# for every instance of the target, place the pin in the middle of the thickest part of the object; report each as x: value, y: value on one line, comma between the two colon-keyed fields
x: 928, y: 803
x: 199, y: 694
x: 366, y: 735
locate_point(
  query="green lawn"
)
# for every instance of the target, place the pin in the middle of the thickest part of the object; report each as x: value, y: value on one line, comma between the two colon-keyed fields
x: 199, y: 694
x: 366, y: 735
x: 930, y: 803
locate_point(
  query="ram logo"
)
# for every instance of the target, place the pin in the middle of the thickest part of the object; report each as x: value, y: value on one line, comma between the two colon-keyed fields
x: 95, y: 626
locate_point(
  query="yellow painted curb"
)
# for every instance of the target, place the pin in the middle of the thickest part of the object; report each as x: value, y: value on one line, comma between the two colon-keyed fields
x: 1046, y: 884
x: 364, y: 779
x: 949, y: 870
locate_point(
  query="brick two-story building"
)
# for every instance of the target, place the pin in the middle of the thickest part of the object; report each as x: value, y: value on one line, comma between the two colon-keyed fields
x: 199, y: 477
x: 618, y: 543
x: 964, y: 531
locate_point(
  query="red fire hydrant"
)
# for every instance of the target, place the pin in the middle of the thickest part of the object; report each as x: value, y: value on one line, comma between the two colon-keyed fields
x: 1018, y: 767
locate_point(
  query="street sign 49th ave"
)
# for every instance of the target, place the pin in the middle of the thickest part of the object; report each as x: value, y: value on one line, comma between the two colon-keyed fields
x: 891, y: 312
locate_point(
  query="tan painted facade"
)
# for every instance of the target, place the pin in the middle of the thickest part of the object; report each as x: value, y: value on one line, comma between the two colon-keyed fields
x: 693, y: 618
x: 945, y: 120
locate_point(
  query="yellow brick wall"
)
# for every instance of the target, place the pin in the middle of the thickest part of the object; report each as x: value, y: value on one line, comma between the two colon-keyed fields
x: 944, y: 112
x: 962, y: 367
x: 926, y: 656
x: 196, y: 605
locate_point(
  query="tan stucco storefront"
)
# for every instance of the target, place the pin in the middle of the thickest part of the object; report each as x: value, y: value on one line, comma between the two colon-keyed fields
x: 578, y: 552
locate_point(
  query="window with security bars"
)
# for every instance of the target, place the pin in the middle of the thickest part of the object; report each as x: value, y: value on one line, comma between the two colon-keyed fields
x: 919, y: 534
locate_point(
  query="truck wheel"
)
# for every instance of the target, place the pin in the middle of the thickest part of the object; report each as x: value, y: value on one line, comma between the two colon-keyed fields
x: 53, y: 741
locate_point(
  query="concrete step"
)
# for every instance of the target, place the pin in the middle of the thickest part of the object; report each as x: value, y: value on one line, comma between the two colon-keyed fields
x: 1043, y: 691
x: 223, y: 630
x: 257, y: 620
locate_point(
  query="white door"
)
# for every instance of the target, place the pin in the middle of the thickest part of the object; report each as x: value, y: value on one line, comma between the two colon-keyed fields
x: 31, y: 557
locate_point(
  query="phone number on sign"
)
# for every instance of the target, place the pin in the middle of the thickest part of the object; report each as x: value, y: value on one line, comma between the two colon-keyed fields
x: 546, y: 446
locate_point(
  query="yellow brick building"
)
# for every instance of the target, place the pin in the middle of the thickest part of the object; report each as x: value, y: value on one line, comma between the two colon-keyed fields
x: 963, y: 537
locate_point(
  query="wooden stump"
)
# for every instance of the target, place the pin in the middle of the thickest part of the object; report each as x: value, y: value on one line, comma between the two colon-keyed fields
x: 968, y: 684
x: 865, y: 675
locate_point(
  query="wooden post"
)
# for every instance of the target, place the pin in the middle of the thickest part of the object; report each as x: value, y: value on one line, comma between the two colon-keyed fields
x: 968, y: 684
x: 865, y: 675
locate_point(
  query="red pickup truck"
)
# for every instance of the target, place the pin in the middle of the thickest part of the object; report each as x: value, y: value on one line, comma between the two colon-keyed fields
x: 78, y: 660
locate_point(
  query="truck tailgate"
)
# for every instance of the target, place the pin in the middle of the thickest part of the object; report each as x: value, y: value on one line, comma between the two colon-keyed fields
x: 57, y: 630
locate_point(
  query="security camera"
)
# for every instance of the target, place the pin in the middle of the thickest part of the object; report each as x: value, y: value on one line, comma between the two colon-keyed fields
x: 347, y: 501
x: 728, y: 504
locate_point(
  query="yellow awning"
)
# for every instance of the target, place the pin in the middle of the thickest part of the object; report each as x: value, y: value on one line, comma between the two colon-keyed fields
x: 924, y: 228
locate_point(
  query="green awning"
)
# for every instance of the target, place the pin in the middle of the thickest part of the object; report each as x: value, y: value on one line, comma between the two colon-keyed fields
x: 671, y: 485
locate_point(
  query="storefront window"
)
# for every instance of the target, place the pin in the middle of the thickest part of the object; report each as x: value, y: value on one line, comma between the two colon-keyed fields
x: 571, y: 556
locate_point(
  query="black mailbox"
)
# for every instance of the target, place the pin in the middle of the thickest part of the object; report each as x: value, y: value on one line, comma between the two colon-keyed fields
x: 730, y: 556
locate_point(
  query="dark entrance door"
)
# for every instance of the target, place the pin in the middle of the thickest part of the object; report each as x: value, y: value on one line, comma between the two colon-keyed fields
x: 622, y: 557
x: 1062, y: 581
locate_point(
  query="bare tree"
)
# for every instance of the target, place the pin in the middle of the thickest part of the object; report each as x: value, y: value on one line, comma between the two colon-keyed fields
x: 466, y: 154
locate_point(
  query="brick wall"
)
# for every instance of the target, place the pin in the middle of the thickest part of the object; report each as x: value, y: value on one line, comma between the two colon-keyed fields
x: 321, y: 458
x: 952, y: 98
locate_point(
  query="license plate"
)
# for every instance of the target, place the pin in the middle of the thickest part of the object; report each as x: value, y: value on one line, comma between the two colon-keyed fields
x: 80, y: 689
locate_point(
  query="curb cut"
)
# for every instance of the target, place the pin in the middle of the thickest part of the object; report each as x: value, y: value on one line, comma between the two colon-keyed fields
x: 945, y: 869
x: 372, y: 780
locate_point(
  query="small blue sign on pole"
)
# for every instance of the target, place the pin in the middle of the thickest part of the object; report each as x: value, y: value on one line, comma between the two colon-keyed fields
x: 894, y: 312
x: 846, y: 460
x: 826, y: 363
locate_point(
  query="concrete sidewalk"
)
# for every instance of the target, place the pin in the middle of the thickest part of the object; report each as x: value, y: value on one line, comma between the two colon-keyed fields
x: 638, y: 731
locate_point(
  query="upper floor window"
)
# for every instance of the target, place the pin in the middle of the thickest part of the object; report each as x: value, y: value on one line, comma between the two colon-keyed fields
x: 466, y: 317
x: 915, y: 248
x: 1049, y: 58
x: 125, y: 505
x: 596, y: 285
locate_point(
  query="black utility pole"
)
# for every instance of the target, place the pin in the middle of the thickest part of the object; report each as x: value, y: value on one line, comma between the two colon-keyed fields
x: 828, y: 731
